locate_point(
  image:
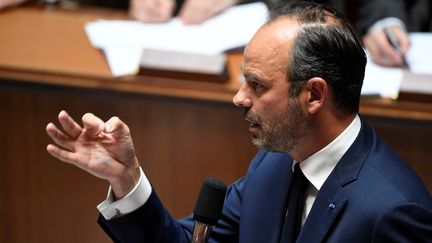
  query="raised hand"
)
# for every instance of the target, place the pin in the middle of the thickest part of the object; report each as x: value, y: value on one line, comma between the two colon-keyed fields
x: 105, y: 150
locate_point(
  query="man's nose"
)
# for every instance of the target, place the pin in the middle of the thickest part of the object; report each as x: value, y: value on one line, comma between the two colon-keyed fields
x: 242, y: 99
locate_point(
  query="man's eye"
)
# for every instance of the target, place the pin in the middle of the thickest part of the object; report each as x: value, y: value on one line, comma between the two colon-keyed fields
x: 256, y: 85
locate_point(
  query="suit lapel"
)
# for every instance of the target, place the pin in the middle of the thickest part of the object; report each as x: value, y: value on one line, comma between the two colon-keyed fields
x: 331, y: 200
x: 329, y: 203
x: 271, y: 183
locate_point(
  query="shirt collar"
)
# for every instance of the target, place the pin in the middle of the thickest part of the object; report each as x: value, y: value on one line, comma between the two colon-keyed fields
x: 318, y: 166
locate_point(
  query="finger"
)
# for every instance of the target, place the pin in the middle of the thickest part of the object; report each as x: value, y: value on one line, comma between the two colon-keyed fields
x: 198, y: 11
x: 402, y: 38
x: 371, y: 48
x: 147, y: 15
x: 93, y: 125
x: 154, y: 11
x: 166, y: 9
x: 69, y: 125
x: 192, y: 19
x: 380, y: 49
x: 63, y: 155
x: 116, y: 127
x: 389, y: 53
x: 141, y: 9
x: 118, y: 133
x: 150, y: 17
x: 58, y: 137
x: 192, y: 12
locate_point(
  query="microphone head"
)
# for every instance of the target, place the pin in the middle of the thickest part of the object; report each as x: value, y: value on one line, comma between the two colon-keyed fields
x: 208, y: 208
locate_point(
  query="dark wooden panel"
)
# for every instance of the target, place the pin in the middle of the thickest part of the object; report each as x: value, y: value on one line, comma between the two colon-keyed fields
x: 179, y: 143
x: 184, y: 130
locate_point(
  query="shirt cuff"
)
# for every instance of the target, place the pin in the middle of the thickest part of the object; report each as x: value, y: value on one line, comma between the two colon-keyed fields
x: 110, y: 208
x: 381, y: 24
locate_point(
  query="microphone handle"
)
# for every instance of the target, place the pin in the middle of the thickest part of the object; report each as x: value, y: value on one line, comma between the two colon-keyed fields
x: 201, y: 232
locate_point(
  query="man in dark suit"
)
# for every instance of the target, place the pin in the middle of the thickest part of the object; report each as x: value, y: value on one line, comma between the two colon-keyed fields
x: 303, y: 73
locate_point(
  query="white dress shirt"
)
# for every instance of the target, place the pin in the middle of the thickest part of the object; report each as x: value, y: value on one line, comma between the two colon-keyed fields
x: 111, y: 208
x: 316, y: 168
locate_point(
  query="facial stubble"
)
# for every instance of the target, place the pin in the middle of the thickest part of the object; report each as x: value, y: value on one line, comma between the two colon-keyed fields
x: 281, y: 132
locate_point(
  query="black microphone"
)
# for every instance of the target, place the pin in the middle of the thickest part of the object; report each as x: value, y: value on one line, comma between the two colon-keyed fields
x: 208, y: 208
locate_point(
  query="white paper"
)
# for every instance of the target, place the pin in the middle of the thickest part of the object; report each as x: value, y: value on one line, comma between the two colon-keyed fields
x: 420, y: 54
x: 381, y: 81
x: 122, y: 61
x: 386, y: 81
x: 123, y: 40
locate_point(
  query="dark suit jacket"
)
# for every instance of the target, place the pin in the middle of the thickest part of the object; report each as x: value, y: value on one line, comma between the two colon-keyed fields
x: 416, y: 14
x: 371, y: 196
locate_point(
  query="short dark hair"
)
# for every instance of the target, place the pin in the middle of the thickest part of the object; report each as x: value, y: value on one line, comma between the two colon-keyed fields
x: 327, y: 46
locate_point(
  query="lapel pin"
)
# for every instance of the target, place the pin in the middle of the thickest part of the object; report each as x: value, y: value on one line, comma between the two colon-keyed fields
x: 331, y: 204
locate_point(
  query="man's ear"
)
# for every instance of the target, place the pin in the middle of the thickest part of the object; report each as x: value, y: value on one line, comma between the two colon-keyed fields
x: 317, y: 89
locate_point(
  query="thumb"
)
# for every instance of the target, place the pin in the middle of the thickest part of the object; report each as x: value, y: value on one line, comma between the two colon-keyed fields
x: 118, y: 134
x: 116, y: 127
x: 93, y: 125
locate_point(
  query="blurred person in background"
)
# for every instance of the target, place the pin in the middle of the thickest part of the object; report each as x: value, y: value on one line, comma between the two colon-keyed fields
x: 401, y: 17
x: 372, y: 16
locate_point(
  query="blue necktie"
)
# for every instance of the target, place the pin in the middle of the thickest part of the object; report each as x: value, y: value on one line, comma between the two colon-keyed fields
x: 292, y: 223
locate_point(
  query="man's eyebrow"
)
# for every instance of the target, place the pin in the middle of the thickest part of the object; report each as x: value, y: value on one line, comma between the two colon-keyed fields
x: 252, y: 77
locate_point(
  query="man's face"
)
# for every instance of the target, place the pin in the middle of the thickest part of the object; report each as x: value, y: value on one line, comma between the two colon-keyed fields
x: 277, y: 130
x: 277, y: 121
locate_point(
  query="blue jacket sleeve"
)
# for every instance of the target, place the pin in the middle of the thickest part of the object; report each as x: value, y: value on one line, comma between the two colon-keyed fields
x: 149, y: 223
x: 153, y: 223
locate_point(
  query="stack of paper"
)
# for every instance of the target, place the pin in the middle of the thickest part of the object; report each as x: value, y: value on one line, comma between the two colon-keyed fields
x: 381, y: 81
x: 123, y: 41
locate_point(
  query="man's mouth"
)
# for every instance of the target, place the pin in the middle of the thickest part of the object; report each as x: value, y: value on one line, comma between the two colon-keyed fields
x: 253, y: 121
x: 253, y: 126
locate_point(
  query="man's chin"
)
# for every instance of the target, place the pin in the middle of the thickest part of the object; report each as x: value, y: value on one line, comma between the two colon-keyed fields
x: 259, y: 143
